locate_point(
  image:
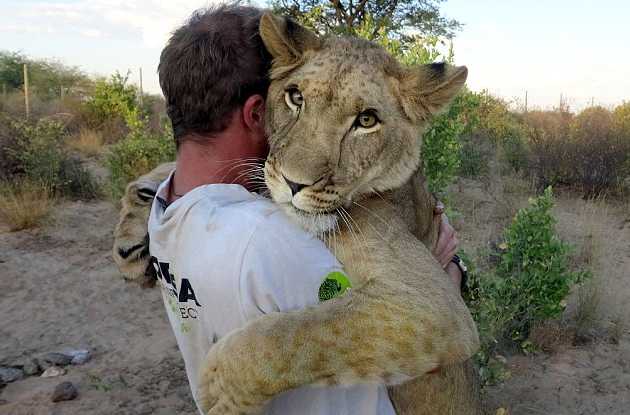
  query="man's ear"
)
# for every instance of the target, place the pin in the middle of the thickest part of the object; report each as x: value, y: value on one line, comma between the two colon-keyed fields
x: 254, y: 113
x: 286, y: 40
x: 426, y: 89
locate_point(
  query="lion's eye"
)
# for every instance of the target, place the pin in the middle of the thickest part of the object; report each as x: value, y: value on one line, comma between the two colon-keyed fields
x: 366, y: 119
x: 294, y: 97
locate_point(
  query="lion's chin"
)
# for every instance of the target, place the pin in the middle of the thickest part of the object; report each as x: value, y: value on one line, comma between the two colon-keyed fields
x: 315, y: 224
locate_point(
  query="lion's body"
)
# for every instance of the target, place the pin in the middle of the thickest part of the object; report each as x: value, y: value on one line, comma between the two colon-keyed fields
x: 402, y: 319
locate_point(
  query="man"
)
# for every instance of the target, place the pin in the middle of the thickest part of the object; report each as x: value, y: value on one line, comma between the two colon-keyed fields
x: 225, y: 255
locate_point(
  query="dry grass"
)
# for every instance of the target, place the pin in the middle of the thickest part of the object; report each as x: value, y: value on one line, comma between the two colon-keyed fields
x: 619, y: 327
x: 87, y: 141
x: 588, y: 316
x: 24, y: 205
x: 549, y: 337
x: 594, y: 303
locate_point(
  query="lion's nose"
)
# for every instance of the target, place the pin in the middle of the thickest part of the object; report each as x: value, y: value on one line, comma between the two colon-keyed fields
x: 295, y: 187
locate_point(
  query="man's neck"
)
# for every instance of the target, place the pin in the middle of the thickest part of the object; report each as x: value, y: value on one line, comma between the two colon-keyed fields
x: 226, y: 160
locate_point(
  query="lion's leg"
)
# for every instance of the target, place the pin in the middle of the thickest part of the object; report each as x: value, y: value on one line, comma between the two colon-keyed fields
x: 131, y: 238
x: 406, y: 320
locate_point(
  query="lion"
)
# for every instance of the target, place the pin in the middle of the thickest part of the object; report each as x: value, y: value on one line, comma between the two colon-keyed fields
x: 345, y: 122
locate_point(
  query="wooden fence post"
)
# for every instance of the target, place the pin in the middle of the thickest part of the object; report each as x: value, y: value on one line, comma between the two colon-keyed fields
x: 28, y: 111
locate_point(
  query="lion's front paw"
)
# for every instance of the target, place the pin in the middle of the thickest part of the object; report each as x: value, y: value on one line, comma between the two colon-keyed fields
x: 225, y: 390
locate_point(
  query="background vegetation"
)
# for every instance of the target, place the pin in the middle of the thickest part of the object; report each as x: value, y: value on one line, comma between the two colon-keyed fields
x: 519, y: 279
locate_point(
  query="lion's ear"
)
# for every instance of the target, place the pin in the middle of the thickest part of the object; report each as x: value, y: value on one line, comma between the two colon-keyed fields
x: 426, y: 89
x: 286, y: 40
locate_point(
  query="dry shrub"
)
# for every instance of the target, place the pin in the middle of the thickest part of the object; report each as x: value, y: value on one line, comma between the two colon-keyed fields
x: 86, y: 141
x: 9, y: 162
x: 549, y: 337
x: 24, y: 205
x: 588, y: 151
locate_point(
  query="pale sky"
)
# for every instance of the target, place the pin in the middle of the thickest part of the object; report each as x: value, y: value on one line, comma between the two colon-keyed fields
x: 578, y: 48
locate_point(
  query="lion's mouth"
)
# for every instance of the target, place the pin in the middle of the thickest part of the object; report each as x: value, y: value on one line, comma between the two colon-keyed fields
x: 316, y: 223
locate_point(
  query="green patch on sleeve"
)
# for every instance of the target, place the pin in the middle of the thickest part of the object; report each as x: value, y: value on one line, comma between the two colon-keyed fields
x: 334, y: 285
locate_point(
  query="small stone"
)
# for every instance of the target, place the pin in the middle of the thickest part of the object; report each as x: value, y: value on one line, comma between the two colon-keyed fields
x: 57, y: 358
x: 31, y: 367
x: 79, y: 356
x: 10, y: 374
x: 165, y: 386
x: 144, y: 409
x: 53, y: 371
x: 65, y: 391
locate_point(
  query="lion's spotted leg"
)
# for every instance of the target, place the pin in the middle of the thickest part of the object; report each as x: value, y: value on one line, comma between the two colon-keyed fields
x: 401, y: 335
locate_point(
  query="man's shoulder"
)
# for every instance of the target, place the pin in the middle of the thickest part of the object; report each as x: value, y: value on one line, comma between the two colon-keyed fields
x: 227, y: 207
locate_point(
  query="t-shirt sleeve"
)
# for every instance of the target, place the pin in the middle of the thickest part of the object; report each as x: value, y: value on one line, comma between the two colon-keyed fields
x: 282, y: 268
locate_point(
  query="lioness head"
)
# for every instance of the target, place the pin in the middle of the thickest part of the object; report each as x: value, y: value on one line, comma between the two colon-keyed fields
x: 344, y: 119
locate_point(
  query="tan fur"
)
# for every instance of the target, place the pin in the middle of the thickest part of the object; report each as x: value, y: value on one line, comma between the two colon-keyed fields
x: 402, y: 319
x: 131, y: 240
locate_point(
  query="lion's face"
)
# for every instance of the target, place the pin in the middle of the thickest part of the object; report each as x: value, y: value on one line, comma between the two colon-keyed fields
x: 344, y: 121
x: 337, y: 132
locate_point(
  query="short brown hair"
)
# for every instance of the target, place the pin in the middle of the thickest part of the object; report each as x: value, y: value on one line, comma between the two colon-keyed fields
x: 210, y: 66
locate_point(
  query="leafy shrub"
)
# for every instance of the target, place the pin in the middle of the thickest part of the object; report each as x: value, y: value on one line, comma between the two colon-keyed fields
x: 529, y: 284
x: 515, y: 152
x: 621, y: 119
x: 8, y: 146
x: 474, y: 161
x: 38, y: 156
x: 440, y: 144
x: 136, y: 155
x: 533, y: 275
x: 38, y: 150
x: 76, y: 181
x: 113, y: 108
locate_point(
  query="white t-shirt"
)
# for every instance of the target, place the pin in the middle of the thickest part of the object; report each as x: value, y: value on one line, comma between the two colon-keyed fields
x: 225, y: 256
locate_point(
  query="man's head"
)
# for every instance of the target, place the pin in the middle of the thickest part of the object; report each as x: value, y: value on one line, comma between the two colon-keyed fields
x: 210, y: 66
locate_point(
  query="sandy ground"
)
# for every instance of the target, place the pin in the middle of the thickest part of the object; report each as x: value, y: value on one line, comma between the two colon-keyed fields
x: 62, y: 292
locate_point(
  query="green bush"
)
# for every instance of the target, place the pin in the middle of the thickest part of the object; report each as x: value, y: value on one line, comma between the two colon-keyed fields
x: 529, y: 284
x: 113, y: 107
x: 39, y: 156
x: 474, y: 163
x: 533, y: 275
x: 441, y: 145
x: 515, y: 152
x: 39, y: 150
x: 78, y: 182
x: 136, y: 155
